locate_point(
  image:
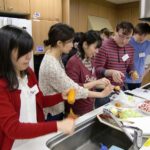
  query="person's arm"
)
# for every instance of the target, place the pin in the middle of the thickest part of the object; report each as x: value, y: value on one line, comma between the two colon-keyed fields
x: 59, y: 80
x: 65, y: 82
x: 14, y: 129
x: 91, y: 84
x: 100, y: 61
x: 75, y: 73
x: 115, y: 74
x: 46, y: 101
x: 10, y: 125
x: 51, y: 100
x: 107, y: 90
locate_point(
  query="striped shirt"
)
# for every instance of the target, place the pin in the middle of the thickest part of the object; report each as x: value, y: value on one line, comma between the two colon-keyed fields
x: 110, y: 56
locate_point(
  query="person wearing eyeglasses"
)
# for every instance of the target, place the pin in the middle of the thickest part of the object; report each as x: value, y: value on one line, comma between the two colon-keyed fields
x: 115, y: 57
x: 141, y: 49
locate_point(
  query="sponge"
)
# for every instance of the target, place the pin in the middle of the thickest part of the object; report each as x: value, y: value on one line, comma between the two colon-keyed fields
x: 113, y: 147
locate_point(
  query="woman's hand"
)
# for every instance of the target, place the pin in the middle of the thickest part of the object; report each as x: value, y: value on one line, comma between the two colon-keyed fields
x: 117, y: 76
x: 65, y: 94
x: 102, y: 83
x: 107, y: 90
x: 67, y: 126
x: 134, y: 75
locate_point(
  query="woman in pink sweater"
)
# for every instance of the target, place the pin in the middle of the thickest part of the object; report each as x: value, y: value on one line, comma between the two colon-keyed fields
x: 81, y: 69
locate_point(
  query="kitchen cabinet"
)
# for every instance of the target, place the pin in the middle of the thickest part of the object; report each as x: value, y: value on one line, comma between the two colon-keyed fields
x: 40, y: 30
x: 46, y: 10
x: 17, y: 6
x: 1, y: 5
x: 66, y: 11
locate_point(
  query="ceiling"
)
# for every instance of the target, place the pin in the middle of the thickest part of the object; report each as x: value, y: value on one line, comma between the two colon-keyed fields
x: 121, y: 1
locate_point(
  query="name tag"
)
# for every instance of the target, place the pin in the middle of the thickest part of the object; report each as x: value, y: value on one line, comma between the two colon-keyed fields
x: 34, y: 90
x: 125, y: 57
x: 142, y: 54
x: 93, y: 70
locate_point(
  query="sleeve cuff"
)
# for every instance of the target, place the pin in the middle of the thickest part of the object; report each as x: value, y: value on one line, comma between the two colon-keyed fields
x: 60, y: 97
x: 103, y: 72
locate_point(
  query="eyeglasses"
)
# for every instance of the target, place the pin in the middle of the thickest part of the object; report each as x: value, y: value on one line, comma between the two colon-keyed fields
x: 124, y: 37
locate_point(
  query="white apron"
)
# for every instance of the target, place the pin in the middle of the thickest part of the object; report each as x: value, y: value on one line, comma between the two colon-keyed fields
x: 28, y: 112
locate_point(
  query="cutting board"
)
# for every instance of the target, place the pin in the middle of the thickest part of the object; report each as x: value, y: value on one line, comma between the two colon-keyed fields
x: 141, y: 122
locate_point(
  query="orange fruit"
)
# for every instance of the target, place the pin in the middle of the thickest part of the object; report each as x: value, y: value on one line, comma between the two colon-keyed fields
x: 71, y: 96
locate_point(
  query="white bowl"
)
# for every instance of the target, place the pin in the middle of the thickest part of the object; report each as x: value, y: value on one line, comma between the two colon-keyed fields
x: 142, y: 110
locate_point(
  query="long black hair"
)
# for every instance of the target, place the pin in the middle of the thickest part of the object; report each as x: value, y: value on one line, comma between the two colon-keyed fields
x: 90, y: 37
x: 59, y: 32
x: 12, y: 37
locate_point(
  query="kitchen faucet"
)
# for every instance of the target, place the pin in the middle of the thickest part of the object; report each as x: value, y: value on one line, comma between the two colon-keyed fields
x: 136, y: 138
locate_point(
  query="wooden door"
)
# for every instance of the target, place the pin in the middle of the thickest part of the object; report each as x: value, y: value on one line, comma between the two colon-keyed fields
x: 17, y: 6
x: 47, y: 10
x: 40, y: 30
x: 1, y: 5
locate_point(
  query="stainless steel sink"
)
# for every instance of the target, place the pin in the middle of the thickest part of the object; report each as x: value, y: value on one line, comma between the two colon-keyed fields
x: 88, y: 136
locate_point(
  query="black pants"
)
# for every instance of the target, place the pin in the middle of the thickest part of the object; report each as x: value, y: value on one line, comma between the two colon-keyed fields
x: 132, y: 86
x: 56, y: 117
x: 101, y: 101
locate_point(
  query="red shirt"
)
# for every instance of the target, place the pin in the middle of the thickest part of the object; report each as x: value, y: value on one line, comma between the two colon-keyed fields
x: 77, y: 71
x: 110, y: 56
x: 10, y: 127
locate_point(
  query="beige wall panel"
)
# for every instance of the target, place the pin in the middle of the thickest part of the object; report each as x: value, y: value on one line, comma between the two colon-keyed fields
x: 112, y: 17
x: 83, y: 15
x: 1, y: 5
x: 66, y: 11
x: 129, y: 12
x: 81, y: 9
x: 103, y: 11
x: 74, y: 14
x: 40, y: 30
x: 57, y: 10
x: 93, y: 9
x: 124, y: 15
x: 135, y: 15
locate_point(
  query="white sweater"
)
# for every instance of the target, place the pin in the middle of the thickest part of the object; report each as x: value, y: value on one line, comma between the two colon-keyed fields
x: 53, y: 79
